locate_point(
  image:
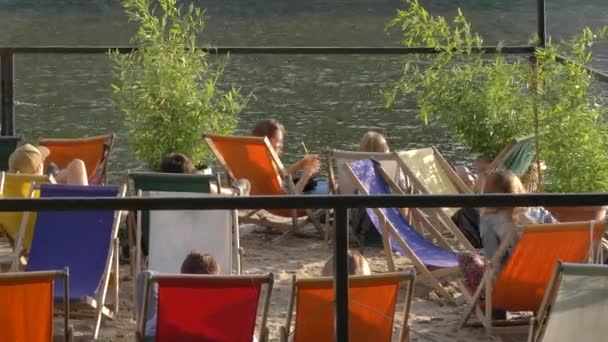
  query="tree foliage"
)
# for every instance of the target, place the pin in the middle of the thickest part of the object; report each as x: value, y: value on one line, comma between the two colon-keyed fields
x: 168, y: 89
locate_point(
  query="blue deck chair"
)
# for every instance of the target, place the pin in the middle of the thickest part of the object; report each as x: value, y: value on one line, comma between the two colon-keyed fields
x: 394, y: 226
x: 84, y: 241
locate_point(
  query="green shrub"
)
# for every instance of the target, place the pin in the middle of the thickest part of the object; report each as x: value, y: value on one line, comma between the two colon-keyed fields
x: 167, y: 89
x: 489, y: 101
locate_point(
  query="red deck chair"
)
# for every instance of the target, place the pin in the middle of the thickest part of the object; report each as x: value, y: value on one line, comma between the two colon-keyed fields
x: 26, y: 306
x: 207, y: 307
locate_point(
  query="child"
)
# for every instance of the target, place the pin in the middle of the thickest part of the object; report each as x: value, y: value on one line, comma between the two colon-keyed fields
x: 357, y: 265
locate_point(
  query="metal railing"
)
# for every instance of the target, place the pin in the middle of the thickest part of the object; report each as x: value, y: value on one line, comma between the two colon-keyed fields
x: 340, y: 204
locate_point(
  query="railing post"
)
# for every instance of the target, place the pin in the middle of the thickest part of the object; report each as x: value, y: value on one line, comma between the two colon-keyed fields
x: 542, y: 26
x: 341, y: 274
x: 7, y: 94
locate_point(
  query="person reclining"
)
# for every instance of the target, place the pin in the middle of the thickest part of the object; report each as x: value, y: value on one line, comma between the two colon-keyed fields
x: 29, y: 159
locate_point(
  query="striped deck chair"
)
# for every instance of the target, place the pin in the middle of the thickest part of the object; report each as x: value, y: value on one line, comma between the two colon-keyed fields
x: 84, y: 241
x: 517, y: 157
x: 253, y: 158
x: 371, y: 310
x: 18, y: 185
x: 427, y: 171
x: 207, y: 307
x: 575, y: 305
x: 8, y: 144
x: 398, y: 232
x: 93, y: 151
x: 27, y: 306
x: 520, y: 285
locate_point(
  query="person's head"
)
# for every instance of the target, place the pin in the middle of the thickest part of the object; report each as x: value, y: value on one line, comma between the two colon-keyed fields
x: 197, y: 263
x: 357, y: 265
x: 176, y: 163
x: 28, y: 158
x: 502, y: 182
x: 373, y: 142
x: 273, y: 130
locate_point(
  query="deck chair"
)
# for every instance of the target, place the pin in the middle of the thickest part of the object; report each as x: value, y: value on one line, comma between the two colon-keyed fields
x: 521, y: 283
x: 397, y: 231
x: 427, y: 172
x: 27, y: 306
x: 174, y: 233
x: 254, y: 159
x: 8, y: 144
x: 143, y: 182
x: 18, y: 185
x: 93, y: 151
x: 207, y: 307
x: 371, y: 310
x: 575, y: 305
x: 516, y: 157
x: 84, y: 241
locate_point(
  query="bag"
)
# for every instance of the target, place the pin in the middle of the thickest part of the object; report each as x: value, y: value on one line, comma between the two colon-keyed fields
x: 363, y: 229
x: 467, y: 220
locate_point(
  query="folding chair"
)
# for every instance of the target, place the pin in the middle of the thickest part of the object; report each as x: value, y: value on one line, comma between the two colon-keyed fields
x: 427, y: 172
x: 575, y: 305
x: 84, y: 241
x: 143, y: 182
x: 26, y: 306
x: 399, y: 233
x: 93, y: 151
x: 8, y: 144
x: 522, y: 281
x: 207, y: 307
x: 18, y: 185
x: 254, y: 158
x: 517, y: 157
x: 372, y: 302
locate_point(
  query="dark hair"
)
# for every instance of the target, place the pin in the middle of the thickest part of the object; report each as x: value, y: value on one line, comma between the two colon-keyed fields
x: 197, y: 263
x: 267, y: 128
x: 176, y: 163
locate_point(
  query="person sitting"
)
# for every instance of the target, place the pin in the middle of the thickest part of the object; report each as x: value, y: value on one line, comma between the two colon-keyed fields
x: 179, y: 163
x: 495, y: 223
x: 29, y: 159
x: 310, y: 164
x: 194, y: 263
x: 357, y: 265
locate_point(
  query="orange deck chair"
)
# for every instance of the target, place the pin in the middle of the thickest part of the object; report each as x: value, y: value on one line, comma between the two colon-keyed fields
x: 26, y: 306
x: 18, y: 185
x: 371, y: 309
x: 253, y: 158
x: 93, y: 151
x: 521, y: 284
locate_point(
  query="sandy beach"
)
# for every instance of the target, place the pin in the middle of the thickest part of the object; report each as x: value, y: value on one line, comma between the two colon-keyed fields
x: 431, y: 319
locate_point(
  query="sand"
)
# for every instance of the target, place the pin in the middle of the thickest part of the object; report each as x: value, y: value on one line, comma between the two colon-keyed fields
x: 431, y: 319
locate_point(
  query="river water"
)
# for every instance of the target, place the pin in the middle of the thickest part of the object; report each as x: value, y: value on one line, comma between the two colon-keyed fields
x: 325, y: 101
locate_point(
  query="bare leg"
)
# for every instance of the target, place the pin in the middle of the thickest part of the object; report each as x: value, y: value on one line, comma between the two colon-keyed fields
x: 74, y: 174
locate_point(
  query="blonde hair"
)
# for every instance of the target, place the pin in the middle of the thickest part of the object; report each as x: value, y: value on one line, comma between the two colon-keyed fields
x: 357, y: 265
x: 506, y: 182
x: 373, y: 142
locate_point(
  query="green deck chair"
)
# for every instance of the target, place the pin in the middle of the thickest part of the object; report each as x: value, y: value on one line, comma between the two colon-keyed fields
x: 8, y: 144
x: 156, y: 181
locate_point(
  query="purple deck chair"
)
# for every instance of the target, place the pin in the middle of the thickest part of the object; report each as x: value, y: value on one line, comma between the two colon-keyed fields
x: 84, y: 241
x: 368, y: 177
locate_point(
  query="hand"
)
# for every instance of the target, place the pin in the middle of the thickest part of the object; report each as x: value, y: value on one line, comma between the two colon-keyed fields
x: 311, y: 164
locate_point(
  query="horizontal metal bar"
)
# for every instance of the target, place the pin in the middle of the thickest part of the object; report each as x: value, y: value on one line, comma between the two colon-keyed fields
x: 306, y: 201
x: 283, y: 50
x: 599, y: 74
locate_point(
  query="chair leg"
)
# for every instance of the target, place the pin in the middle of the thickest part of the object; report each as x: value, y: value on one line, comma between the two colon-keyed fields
x: 116, y: 274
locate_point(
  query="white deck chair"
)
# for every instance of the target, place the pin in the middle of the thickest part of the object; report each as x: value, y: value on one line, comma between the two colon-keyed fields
x: 174, y: 233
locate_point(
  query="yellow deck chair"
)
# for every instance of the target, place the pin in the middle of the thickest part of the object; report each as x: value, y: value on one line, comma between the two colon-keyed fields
x: 371, y: 309
x: 253, y: 158
x: 17, y: 185
x: 428, y: 172
x: 521, y: 284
